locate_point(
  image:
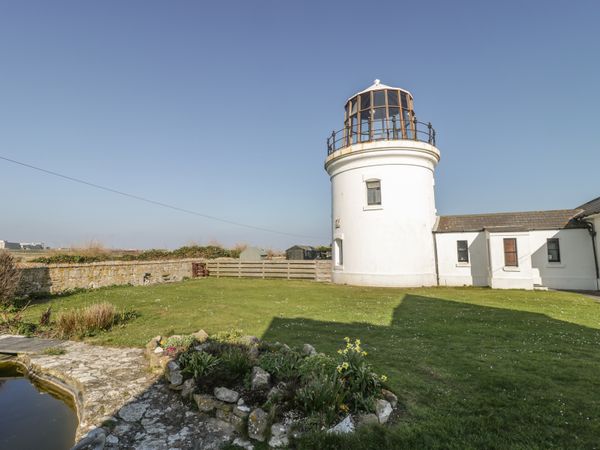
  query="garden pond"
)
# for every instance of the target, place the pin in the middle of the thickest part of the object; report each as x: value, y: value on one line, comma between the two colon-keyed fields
x: 34, y: 415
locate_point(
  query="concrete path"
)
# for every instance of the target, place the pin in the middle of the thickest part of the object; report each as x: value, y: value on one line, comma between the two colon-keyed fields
x: 13, y: 345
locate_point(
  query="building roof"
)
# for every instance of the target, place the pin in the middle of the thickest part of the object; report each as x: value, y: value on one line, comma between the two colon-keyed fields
x: 590, y: 208
x: 512, y: 221
x: 302, y: 247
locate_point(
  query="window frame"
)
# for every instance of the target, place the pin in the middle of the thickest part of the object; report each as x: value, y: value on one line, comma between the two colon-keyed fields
x: 378, y: 189
x: 557, y: 249
x: 515, y: 252
x: 338, y: 252
x: 464, y: 252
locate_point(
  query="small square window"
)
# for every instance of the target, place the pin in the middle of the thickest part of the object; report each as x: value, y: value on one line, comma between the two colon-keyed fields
x: 553, y: 250
x: 462, y: 248
x: 373, y: 192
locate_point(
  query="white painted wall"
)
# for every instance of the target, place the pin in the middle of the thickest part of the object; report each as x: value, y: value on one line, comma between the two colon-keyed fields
x: 453, y: 273
x: 502, y: 277
x: 576, y: 269
x: 391, y: 244
x: 486, y: 267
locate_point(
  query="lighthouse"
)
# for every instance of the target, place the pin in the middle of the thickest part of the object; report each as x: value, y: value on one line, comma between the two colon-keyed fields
x: 382, y: 165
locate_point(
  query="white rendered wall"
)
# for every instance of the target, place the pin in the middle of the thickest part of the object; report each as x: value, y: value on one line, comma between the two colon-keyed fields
x: 596, y: 221
x: 576, y: 269
x: 502, y: 277
x: 454, y: 273
x: 391, y: 244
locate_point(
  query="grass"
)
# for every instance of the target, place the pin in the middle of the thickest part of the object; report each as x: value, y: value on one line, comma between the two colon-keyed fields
x: 474, y: 368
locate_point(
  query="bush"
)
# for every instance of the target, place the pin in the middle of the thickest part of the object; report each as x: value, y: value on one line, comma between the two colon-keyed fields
x: 198, y: 364
x: 9, y: 279
x: 89, y: 320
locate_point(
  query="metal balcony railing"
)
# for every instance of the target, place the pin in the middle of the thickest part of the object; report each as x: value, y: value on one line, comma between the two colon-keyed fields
x: 380, y: 130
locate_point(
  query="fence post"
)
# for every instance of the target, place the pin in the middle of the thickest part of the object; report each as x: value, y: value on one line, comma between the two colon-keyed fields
x: 218, y: 270
x: 263, y: 270
x: 430, y: 134
x: 288, y: 270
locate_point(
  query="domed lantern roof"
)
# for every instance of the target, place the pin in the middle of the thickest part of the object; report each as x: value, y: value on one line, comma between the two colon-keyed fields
x: 377, y: 86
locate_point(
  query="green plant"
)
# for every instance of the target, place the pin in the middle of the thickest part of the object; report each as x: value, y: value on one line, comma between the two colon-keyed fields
x: 361, y: 383
x: 235, y: 361
x: 9, y: 279
x: 316, y: 365
x: 282, y: 364
x: 26, y: 328
x: 180, y: 343
x: 54, y: 351
x: 228, y: 337
x: 198, y: 364
x: 322, y: 399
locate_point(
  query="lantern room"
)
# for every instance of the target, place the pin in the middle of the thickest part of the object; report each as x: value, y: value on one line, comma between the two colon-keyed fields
x: 380, y: 112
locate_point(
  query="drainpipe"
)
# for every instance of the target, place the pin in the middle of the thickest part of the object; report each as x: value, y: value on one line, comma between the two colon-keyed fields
x: 592, y: 231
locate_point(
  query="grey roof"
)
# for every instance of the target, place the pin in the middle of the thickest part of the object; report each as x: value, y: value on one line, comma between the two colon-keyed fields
x: 512, y: 221
x: 302, y: 247
x: 590, y: 208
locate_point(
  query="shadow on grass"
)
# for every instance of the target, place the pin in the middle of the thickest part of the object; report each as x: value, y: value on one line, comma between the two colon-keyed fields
x: 471, y: 376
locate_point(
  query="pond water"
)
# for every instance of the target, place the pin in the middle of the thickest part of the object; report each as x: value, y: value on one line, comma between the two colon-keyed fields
x: 33, y: 415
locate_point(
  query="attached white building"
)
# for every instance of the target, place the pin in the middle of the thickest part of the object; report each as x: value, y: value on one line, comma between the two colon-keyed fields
x: 386, y: 232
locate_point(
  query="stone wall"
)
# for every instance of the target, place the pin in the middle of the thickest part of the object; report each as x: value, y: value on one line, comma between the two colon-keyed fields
x: 56, y: 278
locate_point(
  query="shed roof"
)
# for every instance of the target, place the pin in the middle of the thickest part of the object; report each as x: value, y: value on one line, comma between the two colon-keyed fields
x: 590, y: 208
x: 302, y: 247
x: 511, y: 221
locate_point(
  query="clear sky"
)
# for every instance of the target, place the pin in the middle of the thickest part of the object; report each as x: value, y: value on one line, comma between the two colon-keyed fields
x: 223, y: 108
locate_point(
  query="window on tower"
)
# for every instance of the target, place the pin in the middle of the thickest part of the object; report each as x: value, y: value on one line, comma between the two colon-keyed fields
x: 373, y: 192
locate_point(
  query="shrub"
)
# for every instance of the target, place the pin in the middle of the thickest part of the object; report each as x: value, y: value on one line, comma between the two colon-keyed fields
x: 198, y: 364
x: 228, y: 337
x: 9, y: 279
x: 89, y: 320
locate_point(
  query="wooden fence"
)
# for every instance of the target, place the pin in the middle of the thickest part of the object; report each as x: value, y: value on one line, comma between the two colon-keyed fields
x: 291, y: 270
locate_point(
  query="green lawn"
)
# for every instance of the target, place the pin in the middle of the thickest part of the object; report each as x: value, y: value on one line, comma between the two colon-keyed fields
x: 474, y: 368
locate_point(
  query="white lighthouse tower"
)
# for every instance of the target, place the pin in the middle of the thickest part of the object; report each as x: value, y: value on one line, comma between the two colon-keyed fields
x: 382, y: 167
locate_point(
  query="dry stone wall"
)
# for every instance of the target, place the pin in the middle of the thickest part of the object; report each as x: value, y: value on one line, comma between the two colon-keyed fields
x: 57, y: 278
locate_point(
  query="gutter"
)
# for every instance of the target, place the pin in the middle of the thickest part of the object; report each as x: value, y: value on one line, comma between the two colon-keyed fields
x: 592, y: 230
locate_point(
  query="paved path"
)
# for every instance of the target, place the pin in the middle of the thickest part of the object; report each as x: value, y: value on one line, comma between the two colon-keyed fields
x: 120, y: 403
x: 14, y: 345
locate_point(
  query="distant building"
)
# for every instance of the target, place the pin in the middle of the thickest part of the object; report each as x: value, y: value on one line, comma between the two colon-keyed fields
x: 32, y: 246
x: 253, y: 254
x: 10, y: 245
x: 301, y: 252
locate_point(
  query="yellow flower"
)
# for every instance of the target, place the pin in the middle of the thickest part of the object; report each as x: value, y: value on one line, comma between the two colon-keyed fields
x: 347, y: 339
x: 364, y: 353
x: 340, y: 352
x: 383, y: 378
x: 344, y: 408
x: 357, y: 342
x: 339, y: 369
x: 345, y: 365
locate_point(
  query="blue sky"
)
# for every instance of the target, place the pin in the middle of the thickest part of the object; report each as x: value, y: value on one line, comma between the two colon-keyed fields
x: 224, y: 108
